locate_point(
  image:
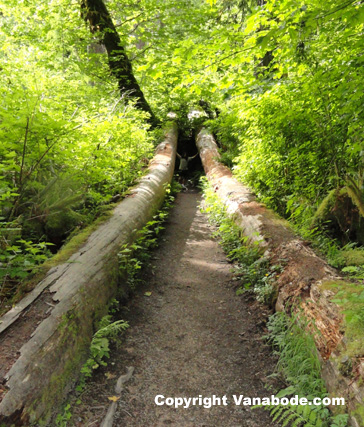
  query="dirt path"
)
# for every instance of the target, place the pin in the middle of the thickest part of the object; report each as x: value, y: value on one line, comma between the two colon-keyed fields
x: 193, y: 336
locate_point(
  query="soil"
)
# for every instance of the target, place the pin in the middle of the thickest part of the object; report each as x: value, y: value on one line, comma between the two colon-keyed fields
x: 192, y: 336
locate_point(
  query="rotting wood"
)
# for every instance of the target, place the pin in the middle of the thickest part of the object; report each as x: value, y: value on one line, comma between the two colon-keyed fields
x: 13, y: 314
x: 50, y: 361
x: 299, y: 286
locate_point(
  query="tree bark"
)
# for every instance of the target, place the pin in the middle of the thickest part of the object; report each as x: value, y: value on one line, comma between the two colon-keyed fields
x: 81, y: 288
x: 301, y: 286
x: 97, y: 15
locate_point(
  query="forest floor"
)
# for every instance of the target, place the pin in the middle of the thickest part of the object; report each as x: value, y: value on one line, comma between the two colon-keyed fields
x: 192, y: 336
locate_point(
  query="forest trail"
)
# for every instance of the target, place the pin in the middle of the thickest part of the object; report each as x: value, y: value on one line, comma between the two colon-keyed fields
x: 192, y: 336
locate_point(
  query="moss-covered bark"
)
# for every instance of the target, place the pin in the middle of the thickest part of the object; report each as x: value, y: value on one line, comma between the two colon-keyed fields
x: 306, y: 286
x: 97, y: 15
x: 49, y: 362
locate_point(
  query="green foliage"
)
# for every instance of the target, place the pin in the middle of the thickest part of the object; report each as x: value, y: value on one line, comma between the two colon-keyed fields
x: 340, y: 420
x: 63, y: 417
x: 304, y: 415
x: 18, y: 261
x: 350, y: 297
x: 69, y: 144
x: 260, y: 278
x: 251, y: 268
x: 286, y: 76
x: 107, y: 332
x: 290, y: 124
x: 298, y: 360
x: 292, y: 129
x: 300, y: 366
x: 133, y: 257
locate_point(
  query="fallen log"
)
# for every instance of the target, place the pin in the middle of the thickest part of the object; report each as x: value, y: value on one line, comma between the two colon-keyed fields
x: 81, y: 288
x: 306, y: 285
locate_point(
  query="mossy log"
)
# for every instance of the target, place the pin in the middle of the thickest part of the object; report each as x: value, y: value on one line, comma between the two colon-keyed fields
x: 302, y: 286
x: 341, y: 214
x: 81, y: 288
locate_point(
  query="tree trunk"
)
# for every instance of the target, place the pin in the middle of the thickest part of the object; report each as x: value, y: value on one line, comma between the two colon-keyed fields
x: 304, y: 286
x: 80, y: 289
x: 96, y: 14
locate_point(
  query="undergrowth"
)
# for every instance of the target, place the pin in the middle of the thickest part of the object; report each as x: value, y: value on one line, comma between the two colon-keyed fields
x: 350, y: 298
x: 19, y: 260
x: 250, y: 268
x: 299, y: 365
x: 349, y: 259
x: 108, y: 331
x: 298, y: 362
x: 132, y: 258
x: 26, y: 263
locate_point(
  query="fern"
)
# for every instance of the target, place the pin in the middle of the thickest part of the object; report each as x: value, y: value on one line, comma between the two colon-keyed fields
x: 100, y: 346
x: 297, y: 415
x: 300, y: 366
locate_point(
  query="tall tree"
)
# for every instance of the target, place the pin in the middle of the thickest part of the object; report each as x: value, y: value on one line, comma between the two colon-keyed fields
x: 97, y: 15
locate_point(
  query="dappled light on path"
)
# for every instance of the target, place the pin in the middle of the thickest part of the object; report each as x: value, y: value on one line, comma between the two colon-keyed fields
x: 191, y: 336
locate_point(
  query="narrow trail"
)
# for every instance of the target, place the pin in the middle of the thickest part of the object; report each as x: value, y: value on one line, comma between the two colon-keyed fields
x: 193, y: 336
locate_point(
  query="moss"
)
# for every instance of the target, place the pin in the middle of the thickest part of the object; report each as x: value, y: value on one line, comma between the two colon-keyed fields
x: 336, y: 285
x: 340, y: 214
x: 55, y: 390
x: 360, y: 382
x: 324, y: 208
x: 74, y: 336
x: 358, y: 414
x: 67, y: 250
x: 353, y: 256
x: 350, y: 298
x: 65, y: 320
x: 346, y: 366
x: 58, y: 226
x: 355, y: 194
x: 76, y: 241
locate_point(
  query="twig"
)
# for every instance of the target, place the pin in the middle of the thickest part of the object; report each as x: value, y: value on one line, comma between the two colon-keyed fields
x: 129, y: 19
x: 141, y: 53
x: 128, y: 413
x: 344, y: 6
x: 48, y: 303
x: 226, y: 57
